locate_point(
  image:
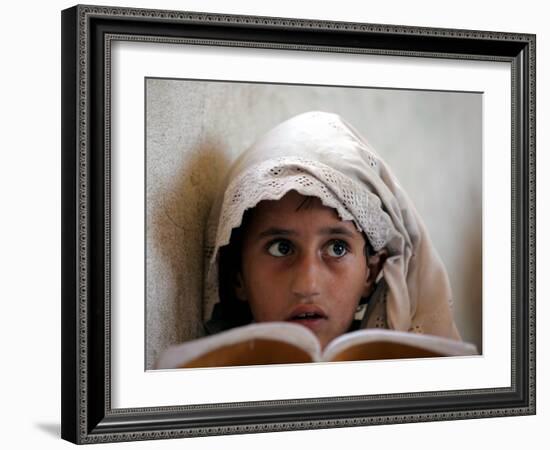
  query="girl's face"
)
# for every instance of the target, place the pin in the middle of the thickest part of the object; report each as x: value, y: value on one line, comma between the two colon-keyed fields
x: 302, y: 264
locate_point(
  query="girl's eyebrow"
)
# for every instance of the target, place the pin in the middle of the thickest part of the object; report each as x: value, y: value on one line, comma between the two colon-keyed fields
x: 276, y: 231
x: 336, y: 230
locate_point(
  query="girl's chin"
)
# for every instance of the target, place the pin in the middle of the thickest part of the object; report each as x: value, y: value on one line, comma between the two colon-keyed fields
x: 315, y: 324
x: 318, y: 327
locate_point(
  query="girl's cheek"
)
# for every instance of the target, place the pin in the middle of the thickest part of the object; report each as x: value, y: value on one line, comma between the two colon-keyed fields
x: 270, y: 267
x: 342, y: 264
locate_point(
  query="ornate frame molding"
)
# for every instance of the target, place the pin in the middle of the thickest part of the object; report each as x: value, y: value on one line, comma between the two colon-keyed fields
x: 88, y: 32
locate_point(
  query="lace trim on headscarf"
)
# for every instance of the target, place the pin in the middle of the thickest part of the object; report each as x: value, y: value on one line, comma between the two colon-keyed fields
x: 272, y: 179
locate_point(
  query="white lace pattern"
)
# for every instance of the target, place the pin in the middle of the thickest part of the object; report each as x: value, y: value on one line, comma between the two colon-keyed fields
x: 272, y: 179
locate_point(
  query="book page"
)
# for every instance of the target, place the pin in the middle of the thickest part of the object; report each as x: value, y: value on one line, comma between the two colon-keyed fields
x: 389, y: 344
x: 265, y: 343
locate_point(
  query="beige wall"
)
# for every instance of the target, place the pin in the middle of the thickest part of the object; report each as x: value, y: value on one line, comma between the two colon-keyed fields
x: 432, y: 140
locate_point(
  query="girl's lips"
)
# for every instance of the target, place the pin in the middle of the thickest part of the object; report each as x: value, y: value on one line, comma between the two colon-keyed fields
x: 310, y: 316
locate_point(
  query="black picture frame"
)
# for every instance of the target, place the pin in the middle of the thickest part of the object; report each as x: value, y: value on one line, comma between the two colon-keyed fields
x: 87, y: 415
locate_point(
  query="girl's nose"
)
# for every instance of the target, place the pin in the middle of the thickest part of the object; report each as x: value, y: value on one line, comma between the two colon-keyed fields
x: 306, y: 277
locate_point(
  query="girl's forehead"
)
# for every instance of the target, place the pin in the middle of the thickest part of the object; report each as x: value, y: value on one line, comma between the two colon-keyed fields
x: 296, y: 210
x: 293, y: 202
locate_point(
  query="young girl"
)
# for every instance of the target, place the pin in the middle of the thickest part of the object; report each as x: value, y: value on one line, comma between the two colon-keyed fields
x: 312, y: 227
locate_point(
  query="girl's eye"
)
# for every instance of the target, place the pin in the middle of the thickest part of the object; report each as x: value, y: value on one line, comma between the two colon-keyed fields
x: 337, y: 249
x: 280, y: 248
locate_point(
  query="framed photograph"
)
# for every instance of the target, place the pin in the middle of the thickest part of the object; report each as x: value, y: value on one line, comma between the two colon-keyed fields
x: 266, y: 222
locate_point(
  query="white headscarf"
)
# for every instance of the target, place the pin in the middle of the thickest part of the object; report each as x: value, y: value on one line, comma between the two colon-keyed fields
x: 318, y: 154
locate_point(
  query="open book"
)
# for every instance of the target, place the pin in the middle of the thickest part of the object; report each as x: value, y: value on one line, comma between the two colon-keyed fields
x: 284, y: 343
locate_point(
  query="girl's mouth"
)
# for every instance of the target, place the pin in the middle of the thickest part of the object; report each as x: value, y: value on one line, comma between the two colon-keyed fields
x: 306, y: 316
x: 310, y: 316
